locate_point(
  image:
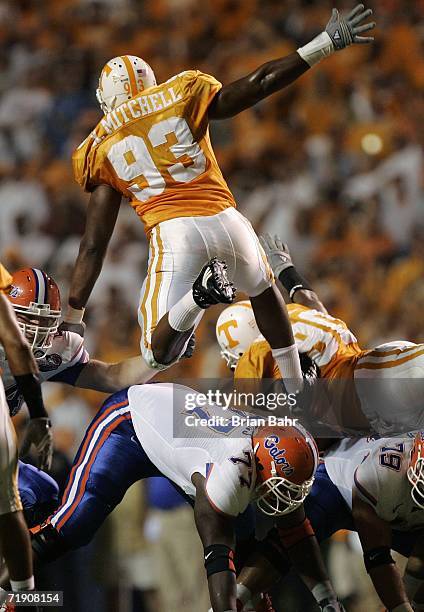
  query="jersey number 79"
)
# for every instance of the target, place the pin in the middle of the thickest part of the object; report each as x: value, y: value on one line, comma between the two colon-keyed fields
x: 391, y: 456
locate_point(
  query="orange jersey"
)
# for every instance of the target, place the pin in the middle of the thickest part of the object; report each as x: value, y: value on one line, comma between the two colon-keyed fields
x: 155, y: 150
x: 5, y: 278
x: 326, y: 340
x: 257, y: 362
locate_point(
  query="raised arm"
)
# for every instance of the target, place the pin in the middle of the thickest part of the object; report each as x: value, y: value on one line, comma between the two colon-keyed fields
x: 376, y: 538
x: 298, y: 289
x: 217, y: 534
x: 339, y: 33
x: 264, y: 81
x: 102, y: 212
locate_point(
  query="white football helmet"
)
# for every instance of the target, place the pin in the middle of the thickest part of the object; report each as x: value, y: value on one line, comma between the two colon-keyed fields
x: 122, y: 78
x: 236, y: 329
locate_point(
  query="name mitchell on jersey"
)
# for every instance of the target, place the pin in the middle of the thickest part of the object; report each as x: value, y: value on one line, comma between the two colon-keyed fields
x: 135, y: 108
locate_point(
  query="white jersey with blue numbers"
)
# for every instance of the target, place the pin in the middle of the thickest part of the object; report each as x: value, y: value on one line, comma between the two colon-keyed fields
x: 377, y: 470
x: 181, y: 436
x: 62, y: 363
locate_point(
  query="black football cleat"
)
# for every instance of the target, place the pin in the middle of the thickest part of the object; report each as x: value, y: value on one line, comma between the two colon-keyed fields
x: 212, y: 285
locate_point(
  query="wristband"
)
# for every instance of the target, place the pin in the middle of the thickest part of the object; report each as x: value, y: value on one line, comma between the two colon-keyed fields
x: 30, y: 388
x: 74, y: 315
x: 292, y: 281
x: 218, y: 558
x: 321, y: 46
x: 323, y: 592
x: 23, y: 585
x: 377, y: 556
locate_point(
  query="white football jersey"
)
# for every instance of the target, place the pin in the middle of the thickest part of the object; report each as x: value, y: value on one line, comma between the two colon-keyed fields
x: 166, y: 418
x: 377, y: 470
x: 62, y: 363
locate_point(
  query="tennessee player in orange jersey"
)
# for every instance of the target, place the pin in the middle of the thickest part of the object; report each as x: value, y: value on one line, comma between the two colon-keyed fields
x: 153, y: 148
x: 370, y: 390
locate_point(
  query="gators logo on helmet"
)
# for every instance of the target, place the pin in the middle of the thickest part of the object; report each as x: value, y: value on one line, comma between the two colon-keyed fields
x: 286, y: 459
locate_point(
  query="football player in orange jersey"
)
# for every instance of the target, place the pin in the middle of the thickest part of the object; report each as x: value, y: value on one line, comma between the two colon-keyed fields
x: 153, y: 148
x: 368, y: 390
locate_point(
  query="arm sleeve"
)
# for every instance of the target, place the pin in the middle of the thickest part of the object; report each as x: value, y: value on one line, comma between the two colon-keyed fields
x: 305, y: 336
x: 200, y: 89
x: 82, y: 166
x: 366, y: 481
x: 74, y: 359
x: 380, y: 485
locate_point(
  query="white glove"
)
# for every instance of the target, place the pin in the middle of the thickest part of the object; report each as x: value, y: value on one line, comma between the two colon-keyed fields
x: 344, y: 31
x: 277, y: 252
x: 340, y: 32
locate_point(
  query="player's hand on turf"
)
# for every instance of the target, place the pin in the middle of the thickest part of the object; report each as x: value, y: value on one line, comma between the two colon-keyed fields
x: 77, y: 328
x: 333, y: 606
x: 191, y: 345
x: 346, y: 30
x: 277, y: 252
x: 38, y: 433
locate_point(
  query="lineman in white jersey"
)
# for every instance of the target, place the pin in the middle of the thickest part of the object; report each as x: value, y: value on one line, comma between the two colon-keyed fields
x: 221, y: 464
x: 61, y: 356
x: 374, y: 487
x: 376, y: 471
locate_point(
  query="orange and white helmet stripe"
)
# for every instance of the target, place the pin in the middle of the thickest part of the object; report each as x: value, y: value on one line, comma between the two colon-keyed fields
x: 122, y: 78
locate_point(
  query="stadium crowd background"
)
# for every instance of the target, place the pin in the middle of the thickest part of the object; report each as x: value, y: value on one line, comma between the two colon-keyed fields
x: 333, y: 164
